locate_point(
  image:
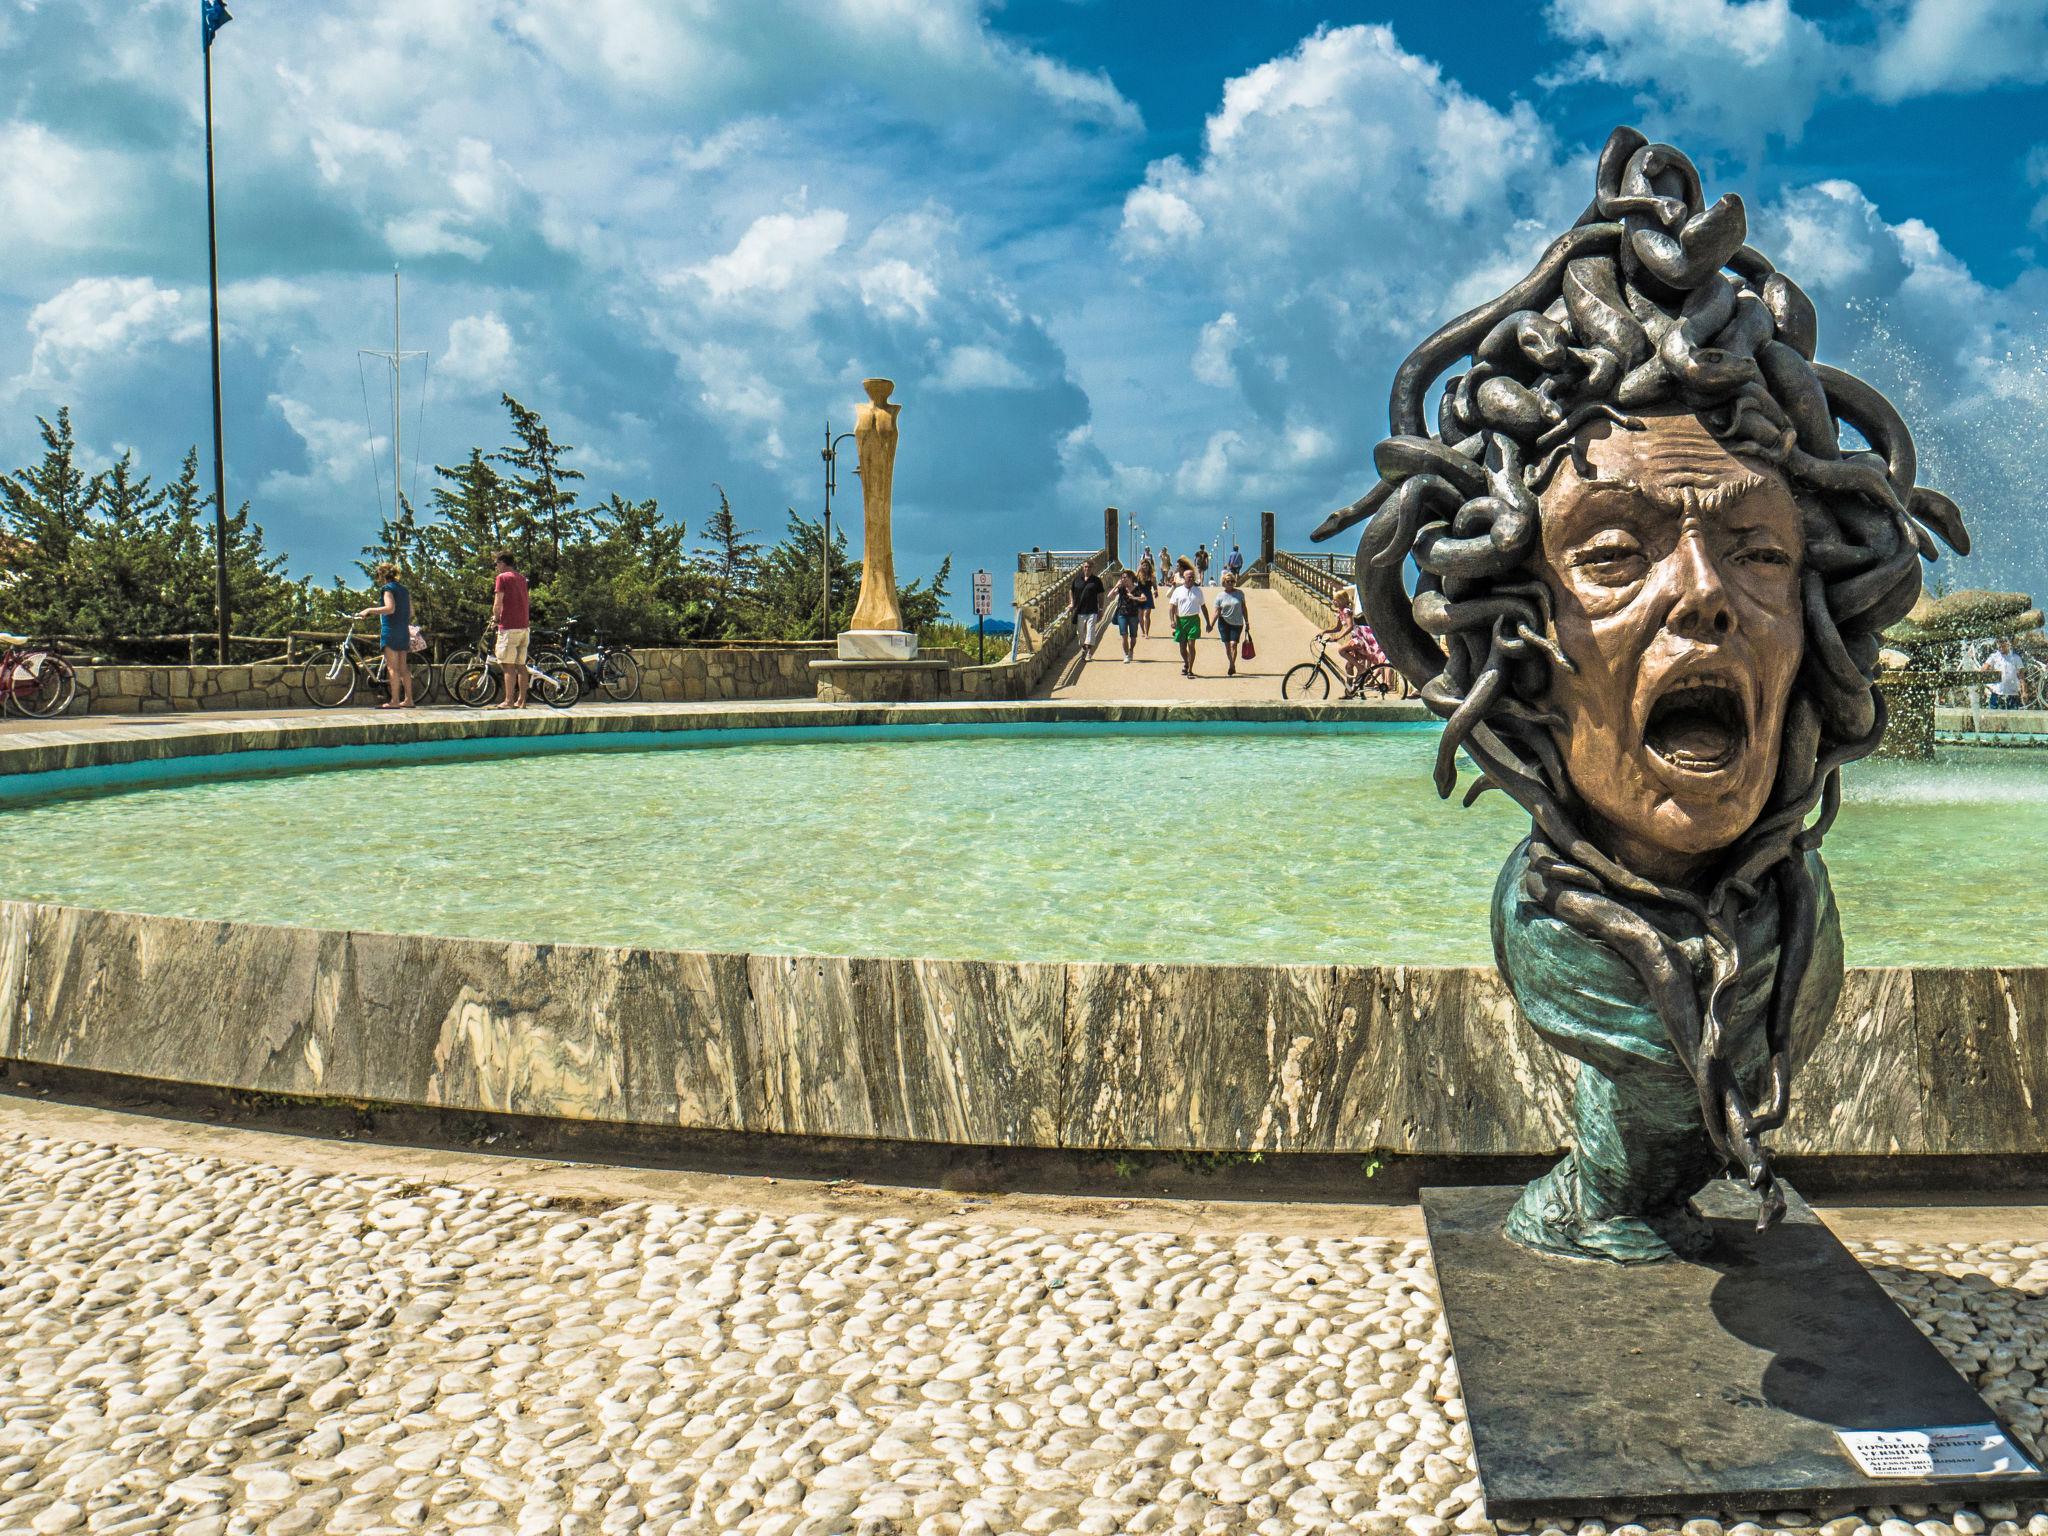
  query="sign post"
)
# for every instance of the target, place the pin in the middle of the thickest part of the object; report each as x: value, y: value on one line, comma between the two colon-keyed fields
x: 984, y: 598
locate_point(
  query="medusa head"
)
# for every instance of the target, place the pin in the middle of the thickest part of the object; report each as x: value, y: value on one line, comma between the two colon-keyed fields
x: 1650, y: 582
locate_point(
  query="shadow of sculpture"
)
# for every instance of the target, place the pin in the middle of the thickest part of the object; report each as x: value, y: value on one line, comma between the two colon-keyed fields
x: 1831, y: 1375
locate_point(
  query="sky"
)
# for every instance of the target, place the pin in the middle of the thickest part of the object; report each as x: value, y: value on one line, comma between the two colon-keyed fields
x: 1162, y: 256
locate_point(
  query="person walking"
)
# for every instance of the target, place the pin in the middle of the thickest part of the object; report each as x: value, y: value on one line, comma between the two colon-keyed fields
x: 1128, y: 611
x: 1233, y: 619
x: 1235, y: 564
x: 512, y: 618
x: 1085, y: 595
x: 1202, y: 563
x: 394, y: 634
x: 1148, y: 593
x: 1190, y: 615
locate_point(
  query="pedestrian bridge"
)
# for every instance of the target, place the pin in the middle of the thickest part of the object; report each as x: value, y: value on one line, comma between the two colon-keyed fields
x: 1280, y: 630
x: 1287, y: 595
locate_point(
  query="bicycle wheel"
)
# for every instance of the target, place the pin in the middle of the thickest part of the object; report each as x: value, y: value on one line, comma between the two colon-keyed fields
x: 329, y: 678
x: 54, y: 684
x: 1305, y: 680
x: 553, y: 681
x: 620, y: 676
x: 476, y: 684
x: 450, y: 669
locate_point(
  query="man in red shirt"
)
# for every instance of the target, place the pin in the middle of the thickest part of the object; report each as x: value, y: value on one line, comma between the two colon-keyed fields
x: 511, y: 617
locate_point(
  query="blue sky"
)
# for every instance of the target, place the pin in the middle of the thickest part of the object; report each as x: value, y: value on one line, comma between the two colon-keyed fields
x: 1159, y: 255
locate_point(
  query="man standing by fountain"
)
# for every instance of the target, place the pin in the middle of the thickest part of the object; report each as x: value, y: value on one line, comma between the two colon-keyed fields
x: 511, y: 617
x: 2003, y: 660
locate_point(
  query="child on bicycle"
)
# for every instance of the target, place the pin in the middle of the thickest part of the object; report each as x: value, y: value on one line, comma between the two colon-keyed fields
x: 1357, y: 645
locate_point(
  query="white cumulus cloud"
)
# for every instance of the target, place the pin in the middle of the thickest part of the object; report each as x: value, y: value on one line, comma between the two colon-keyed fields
x: 1737, y: 69
x: 337, y: 451
x: 102, y: 319
x: 479, y: 351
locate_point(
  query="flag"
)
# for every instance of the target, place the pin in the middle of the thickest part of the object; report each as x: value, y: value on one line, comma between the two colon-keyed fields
x: 213, y: 15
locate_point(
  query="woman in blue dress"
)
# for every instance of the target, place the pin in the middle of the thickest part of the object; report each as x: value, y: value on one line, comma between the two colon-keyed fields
x: 394, y: 634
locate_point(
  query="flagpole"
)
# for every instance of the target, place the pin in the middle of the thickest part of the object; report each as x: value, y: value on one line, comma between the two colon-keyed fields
x: 220, y: 481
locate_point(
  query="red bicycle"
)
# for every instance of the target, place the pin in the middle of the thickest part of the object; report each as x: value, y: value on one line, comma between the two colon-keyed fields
x: 35, y: 680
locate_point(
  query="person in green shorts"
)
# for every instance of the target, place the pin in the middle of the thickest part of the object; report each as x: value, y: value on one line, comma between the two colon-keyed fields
x: 1190, y: 615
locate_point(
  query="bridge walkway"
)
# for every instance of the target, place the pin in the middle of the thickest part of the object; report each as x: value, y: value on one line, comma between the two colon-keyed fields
x: 1280, y: 631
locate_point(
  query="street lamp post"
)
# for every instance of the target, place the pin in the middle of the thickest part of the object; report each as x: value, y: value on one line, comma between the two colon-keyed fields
x: 831, y: 458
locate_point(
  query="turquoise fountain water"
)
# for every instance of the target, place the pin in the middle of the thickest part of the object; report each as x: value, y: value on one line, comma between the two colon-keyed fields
x: 1275, y: 847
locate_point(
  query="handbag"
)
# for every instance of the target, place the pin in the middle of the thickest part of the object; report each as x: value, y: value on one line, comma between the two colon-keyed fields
x: 1247, y: 651
x: 416, y: 638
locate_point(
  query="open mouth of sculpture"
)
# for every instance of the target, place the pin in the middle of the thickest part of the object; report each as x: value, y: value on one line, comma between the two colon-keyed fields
x: 1700, y: 726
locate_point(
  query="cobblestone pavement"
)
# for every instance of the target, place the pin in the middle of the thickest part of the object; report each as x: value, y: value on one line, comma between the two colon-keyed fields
x: 195, y: 1344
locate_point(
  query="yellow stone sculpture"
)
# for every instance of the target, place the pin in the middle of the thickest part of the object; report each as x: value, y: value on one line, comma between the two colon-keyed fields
x: 877, y: 630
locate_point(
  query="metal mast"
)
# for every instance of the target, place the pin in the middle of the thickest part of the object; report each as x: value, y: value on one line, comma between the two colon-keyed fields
x: 220, y: 478
x: 396, y: 358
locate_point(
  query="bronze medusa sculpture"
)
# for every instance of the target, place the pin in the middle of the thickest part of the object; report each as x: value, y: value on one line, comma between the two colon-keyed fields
x: 1650, y: 584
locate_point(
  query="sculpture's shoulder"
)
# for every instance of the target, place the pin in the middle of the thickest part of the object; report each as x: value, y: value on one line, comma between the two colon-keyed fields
x: 1588, y: 1000
x: 1574, y: 990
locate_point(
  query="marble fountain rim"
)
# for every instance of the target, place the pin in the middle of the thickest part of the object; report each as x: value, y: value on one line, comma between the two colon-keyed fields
x: 1060, y: 1055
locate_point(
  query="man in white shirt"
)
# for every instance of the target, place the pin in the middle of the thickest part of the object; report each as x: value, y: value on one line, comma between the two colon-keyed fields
x: 2005, y: 692
x: 1190, y: 616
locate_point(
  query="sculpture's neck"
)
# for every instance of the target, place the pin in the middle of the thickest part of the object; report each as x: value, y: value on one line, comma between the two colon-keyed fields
x: 1682, y: 871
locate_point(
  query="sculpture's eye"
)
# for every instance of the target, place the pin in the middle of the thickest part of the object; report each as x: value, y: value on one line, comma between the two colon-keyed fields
x: 1763, y: 555
x: 1612, y: 559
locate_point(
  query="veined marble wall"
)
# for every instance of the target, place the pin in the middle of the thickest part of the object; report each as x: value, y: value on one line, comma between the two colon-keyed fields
x: 1187, y: 1058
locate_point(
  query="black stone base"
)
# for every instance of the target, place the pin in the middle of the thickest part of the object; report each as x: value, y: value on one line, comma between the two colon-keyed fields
x: 1598, y: 1390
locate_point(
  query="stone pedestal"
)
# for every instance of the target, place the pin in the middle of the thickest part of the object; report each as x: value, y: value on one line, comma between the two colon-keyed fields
x: 1611, y: 1391
x: 918, y: 680
x: 877, y: 645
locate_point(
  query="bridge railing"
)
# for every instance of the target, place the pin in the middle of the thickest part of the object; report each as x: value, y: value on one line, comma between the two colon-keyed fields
x: 1054, y: 560
x: 1323, y: 575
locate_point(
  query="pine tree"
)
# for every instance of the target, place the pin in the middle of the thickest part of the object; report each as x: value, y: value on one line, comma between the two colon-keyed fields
x: 472, y: 514
x: 630, y: 576
x: 924, y: 603
x: 788, y: 592
x: 46, y: 508
x: 120, y: 556
x: 187, y: 605
x: 542, y: 506
x: 731, y: 563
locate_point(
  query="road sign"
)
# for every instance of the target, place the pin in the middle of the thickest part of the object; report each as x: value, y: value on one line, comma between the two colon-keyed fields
x: 984, y: 594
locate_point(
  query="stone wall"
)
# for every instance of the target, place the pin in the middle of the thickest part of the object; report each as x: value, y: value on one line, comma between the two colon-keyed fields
x: 669, y: 674
x: 687, y: 675
x: 1312, y: 604
x: 171, y: 690
x: 1346, y: 1059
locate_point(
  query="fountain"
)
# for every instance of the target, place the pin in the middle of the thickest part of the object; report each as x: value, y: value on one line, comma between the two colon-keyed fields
x: 1921, y: 654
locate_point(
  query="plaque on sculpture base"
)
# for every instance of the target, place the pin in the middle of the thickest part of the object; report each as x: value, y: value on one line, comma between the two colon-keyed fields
x: 1765, y: 1377
x: 877, y: 645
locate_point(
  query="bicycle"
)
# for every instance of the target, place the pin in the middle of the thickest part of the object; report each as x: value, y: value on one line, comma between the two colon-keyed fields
x: 332, y: 674
x: 550, y: 678
x: 1312, y: 679
x: 34, y: 679
x: 612, y: 668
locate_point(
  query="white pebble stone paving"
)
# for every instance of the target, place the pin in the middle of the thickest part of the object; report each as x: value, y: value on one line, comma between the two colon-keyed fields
x: 199, y: 1346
